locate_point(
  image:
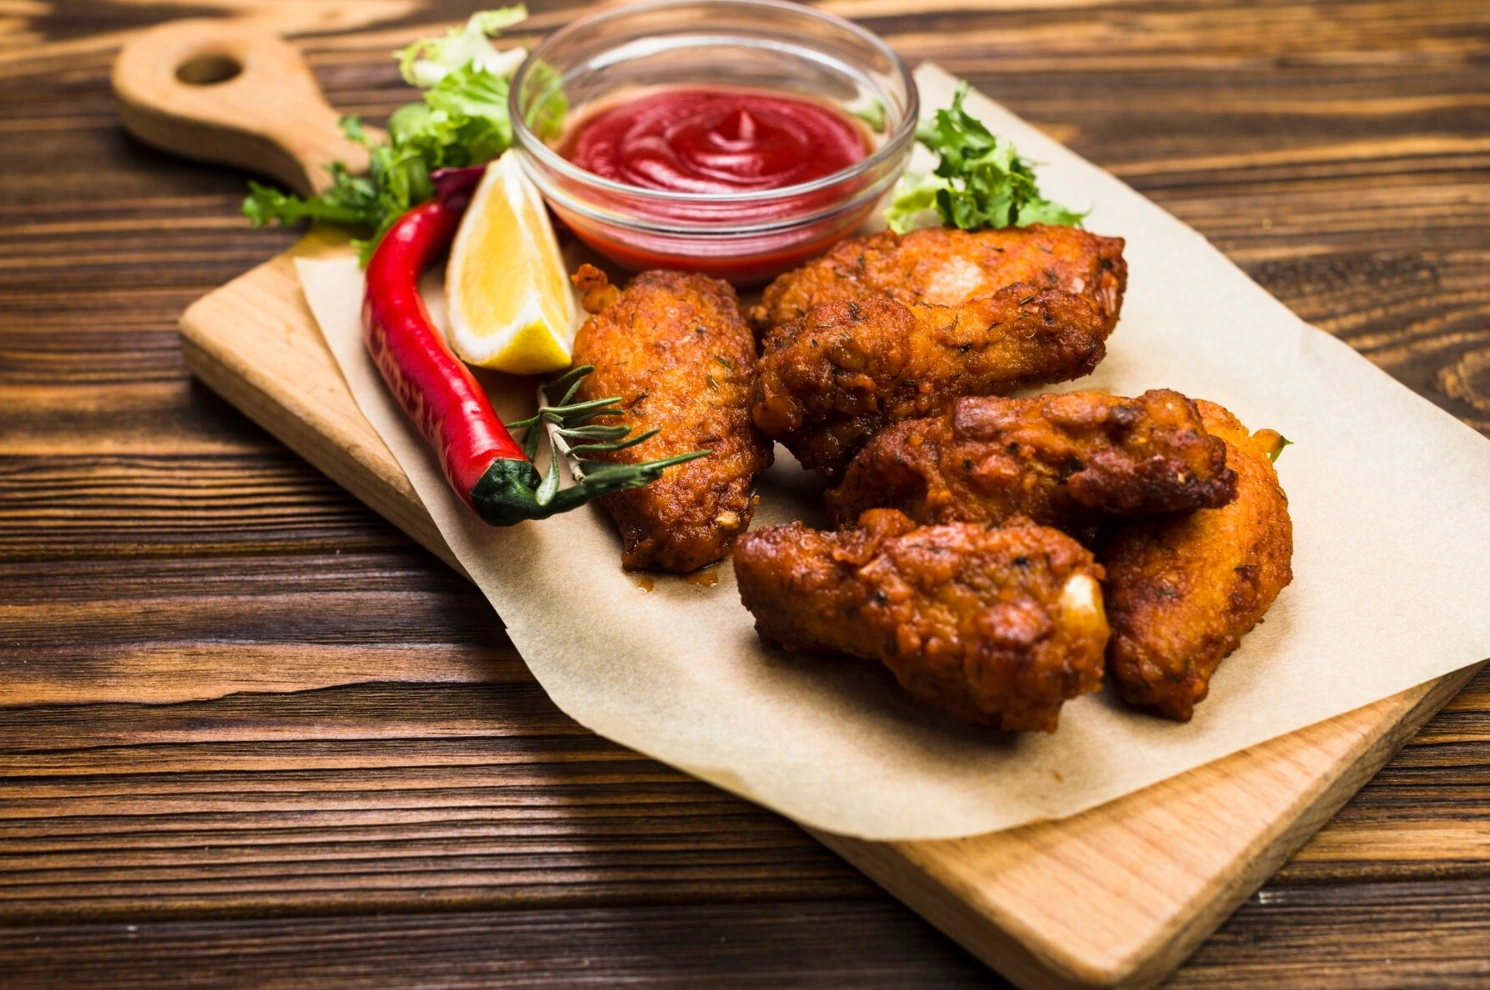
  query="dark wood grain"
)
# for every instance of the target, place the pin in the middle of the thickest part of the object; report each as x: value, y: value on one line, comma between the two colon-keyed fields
x: 250, y: 733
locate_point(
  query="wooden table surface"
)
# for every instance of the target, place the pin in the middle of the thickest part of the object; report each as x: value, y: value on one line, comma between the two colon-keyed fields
x: 251, y: 733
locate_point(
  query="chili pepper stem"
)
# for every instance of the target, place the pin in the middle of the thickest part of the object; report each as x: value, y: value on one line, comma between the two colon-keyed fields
x: 508, y: 493
x: 505, y: 495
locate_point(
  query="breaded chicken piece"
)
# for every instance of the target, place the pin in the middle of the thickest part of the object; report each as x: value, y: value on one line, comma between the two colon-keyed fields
x: 1067, y: 461
x: 1183, y: 590
x: 948, y: 267
x: 675, y: 350
x: 832, y: 379
x: 997, y: 626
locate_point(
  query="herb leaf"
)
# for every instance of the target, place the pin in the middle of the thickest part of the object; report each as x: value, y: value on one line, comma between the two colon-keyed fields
x: 349, y: 201
x: 979, y: 182
x: 461, y: 121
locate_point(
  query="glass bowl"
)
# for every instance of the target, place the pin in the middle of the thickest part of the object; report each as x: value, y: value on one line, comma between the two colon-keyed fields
x: 746, y: 237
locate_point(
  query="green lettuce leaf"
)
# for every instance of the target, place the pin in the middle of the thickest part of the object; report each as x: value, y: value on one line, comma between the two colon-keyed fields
x: 467, y: 122
x: 871, y: 111
x: 548, y: 106
x: 428, y: 60
x: 461, y: 121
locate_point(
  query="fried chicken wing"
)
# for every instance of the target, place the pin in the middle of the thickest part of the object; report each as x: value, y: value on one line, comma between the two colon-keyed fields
x: 948, y: 267
x: 675, y: 350
x: 1066, y: 461
x: 997, y: 626
x: 1183, y: 590
x: 835, y: 377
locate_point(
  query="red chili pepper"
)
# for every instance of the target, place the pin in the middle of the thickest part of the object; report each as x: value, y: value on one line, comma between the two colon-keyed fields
x: 490, y: 471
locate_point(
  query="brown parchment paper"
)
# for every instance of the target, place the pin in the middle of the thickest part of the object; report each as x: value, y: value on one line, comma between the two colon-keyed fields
x: 1391, y: 507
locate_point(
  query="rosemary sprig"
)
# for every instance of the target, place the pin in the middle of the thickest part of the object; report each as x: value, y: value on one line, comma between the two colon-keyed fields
x: 562, y: 419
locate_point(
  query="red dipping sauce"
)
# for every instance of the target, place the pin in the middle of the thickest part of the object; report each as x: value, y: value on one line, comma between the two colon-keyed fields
x: 709, y: 179
x: 716, y: 141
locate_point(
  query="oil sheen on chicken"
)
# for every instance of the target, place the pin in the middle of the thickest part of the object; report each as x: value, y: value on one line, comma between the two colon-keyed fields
x: 997, y: 626
x: 1183, y: 590
x: 675, y: 349
x: 1070, y: 461
x: 832, y: 379
x: 946, y: 267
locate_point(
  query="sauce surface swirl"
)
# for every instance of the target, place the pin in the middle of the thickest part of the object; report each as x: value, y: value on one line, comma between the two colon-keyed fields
x: 716, y: 141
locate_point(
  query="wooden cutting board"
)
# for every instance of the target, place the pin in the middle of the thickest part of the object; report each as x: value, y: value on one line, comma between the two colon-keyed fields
x: 1117, y: 896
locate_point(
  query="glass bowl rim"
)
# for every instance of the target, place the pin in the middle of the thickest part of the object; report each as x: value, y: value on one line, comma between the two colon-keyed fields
x: 895, y: 144
x: 708, y: 229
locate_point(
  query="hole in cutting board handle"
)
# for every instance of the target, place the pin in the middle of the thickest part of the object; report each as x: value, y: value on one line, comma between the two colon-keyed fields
x: 208, y: 70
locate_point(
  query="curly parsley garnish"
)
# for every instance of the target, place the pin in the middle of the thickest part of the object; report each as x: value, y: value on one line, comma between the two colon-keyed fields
x: 979, y: 182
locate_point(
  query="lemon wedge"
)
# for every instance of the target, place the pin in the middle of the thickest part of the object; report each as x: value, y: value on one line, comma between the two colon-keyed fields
x: 510, y: 306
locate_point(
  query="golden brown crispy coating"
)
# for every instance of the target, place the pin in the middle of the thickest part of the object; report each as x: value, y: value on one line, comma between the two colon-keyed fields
x: 1066, y: 461
x: 834, y: 378
x: 598, y: 295
x: 997, y: 626
x: 675, y: 350
x: 948, y: 267
x: 1183, y: 590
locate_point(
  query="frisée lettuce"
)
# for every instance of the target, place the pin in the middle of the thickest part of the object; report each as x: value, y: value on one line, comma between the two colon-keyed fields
x: 462, y: 120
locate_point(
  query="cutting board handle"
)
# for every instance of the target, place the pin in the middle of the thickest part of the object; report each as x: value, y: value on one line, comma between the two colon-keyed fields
x: 228, y: 92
